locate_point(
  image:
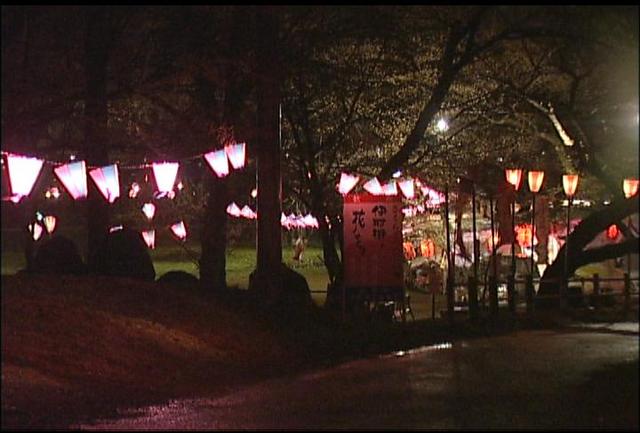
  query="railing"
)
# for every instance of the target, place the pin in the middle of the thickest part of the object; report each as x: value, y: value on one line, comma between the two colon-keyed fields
x: 601, y: 295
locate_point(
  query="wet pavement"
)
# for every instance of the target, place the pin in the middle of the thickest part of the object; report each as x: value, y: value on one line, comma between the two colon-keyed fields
x: 528, y: 379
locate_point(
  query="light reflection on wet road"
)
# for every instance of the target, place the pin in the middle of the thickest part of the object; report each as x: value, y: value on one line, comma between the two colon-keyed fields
x: 529, y: 379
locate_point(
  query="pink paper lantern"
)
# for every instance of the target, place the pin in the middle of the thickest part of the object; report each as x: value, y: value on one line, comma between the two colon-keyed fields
x: 347, y: 183
x: 407, y: 189
x: 149, y: 237
x: 23, y: 172
x: 149, y: 210
x: 165, y: 174
x: 236, y: 154
x: 50, y: 223
x: 36, y: 231
x: 179, y: 230
x: 107, y: 181
x: 135, y: 190
x: 373, y: 186
x: 390, y: 188
x: 247, y: 212
x: 233, y: 210
x: 74, y: 178
x: 217, y: 160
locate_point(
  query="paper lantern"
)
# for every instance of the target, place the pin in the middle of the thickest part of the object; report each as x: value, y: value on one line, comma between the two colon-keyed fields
x: 23, y: 172
x: 406, y: 187
x: 433, y: 197
x: 74, y: 178
x: 247, y: 212
x: 149, y: 210
x: 179, y: 230
x: 613, y: 231
x: 570, y: 184
x: 165, y: 174
x: 217, y: 160
x: 630, y: 187
x: 236, y: 154
x: 513, y: 175
x: 347, y: 183
x: 254, y: 192
x: 234, y: 210
x: 373, y: 187
x: 106, y: 179
x: 50, y: 223
x: 535, y: 180
x: 36, y: 231
x: 149, y: 237
x: 390, y: 188
x: 311, y: 221
x: 135, y: 190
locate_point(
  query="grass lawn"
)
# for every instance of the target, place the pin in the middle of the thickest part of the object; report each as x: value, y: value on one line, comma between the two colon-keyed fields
x: 241, y: 261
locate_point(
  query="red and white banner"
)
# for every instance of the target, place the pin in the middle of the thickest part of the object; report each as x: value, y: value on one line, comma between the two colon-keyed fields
x: 373, y: 256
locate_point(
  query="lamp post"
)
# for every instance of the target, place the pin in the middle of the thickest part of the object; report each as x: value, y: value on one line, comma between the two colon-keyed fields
x: 535, y: 183
x: 630, y: 188
x: 513, y: 175
x: 569, y: 184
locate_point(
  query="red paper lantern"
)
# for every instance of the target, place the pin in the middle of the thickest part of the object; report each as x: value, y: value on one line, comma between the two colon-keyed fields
x: 613, y: 231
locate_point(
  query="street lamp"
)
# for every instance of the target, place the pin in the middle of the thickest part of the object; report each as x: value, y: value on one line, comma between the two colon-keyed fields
x: 569, y: 184
x: 513, y: 175
x: 535, y: 183
x: 630, y: 188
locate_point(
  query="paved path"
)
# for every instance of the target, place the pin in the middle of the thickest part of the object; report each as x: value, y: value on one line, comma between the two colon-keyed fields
x: 529, y: 379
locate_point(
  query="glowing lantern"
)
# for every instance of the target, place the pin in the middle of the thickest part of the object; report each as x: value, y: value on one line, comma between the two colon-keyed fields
x: 373, y: 186
x: 115, y: 228
x: 613, y: 231
x: 535, y: 180
x: 36, y: 230
x: 433, y: 197
x: 247, y: 212
x: 217, y: 160
x: 630, y: 187
x: 408, y: 250
x: 179, y: 230
x: 427, y: 248
x: 514, y: 175
x: 234, y: 210
x: 106, y: 179
x: 135, y: 190
x: 236, y: 154
x: 523, y: 235
x: 347, y: 182
x: 283, y: 220
x: 149, y: 237
x: 254, y: 192
x: 390, y: 188
x: 23, y: 172
x: 311, y: 221
x: 570, y: 184
x: 165, y: 174
x: 407, y: 189
x: 149, y: 210
x: 50, y: 223
x: 74, y: 178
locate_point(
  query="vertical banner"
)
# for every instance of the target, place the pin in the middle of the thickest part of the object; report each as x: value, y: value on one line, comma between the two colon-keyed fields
x: 373, y: 255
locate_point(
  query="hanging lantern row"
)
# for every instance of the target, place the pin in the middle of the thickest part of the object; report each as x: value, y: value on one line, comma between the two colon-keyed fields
x: 407, y: 188
x: 287, y: 221
x: 23, y: 172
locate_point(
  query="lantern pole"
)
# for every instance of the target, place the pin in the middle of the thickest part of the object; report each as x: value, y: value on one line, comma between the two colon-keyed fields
x: 493, y: 283
x: 450, y: 297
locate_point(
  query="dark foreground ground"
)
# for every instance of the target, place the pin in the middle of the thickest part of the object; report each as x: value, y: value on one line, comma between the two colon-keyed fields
x: 76, y: 350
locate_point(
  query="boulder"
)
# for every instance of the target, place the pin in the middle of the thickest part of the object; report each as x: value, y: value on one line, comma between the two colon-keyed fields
x: 58, y: 255
x: 124, y: 253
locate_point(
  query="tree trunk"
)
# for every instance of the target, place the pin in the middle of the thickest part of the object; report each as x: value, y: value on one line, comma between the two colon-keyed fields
x: 96, y: 146
x: 267, y: 278
x: 213, y: 239
x: 584, y: 233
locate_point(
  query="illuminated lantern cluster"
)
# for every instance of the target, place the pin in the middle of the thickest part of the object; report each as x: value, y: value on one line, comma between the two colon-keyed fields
x: 292, y: 221
x: 219, y: 160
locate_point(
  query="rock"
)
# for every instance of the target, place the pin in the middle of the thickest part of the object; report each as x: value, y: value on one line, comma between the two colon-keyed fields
x: 58, y: 255
x: 124, y: 254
